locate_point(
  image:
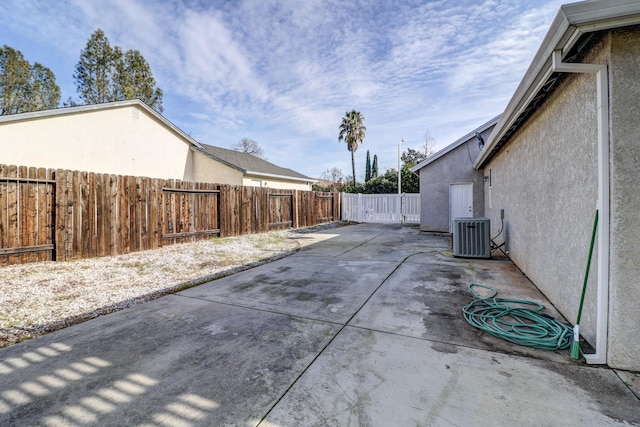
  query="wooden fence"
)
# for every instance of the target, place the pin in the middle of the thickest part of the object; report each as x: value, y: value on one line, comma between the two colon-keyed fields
x: 59, y: 215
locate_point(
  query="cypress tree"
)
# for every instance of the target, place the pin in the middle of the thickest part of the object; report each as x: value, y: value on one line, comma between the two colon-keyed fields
x: 374, y: 168
x: 367, y: 172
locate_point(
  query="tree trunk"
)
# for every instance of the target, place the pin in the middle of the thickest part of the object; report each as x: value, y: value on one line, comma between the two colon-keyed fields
x: 353, y: 167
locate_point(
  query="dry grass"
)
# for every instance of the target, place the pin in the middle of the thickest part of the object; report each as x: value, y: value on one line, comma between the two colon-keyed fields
x: 41, y: 297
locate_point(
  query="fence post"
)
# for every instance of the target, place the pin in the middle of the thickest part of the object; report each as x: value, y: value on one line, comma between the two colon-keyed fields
x: 295, y: 222
x: 60, y: 211
x: 92, y: 214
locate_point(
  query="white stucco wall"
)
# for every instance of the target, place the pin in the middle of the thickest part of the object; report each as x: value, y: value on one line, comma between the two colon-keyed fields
x: 546, y: 181
x: 124, y: 140
x: 624, y: 313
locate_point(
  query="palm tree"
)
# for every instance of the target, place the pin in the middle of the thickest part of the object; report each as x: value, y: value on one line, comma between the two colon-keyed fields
x: 352, y: 132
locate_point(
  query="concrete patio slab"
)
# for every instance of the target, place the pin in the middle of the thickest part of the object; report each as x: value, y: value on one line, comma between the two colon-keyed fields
x: 369, y: 378
x: 314, y: 287
x: 425, y: 295
x: 362, y: 326
x: 173, y: 361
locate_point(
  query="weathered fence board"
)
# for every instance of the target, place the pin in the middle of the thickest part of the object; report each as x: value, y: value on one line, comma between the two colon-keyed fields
x: 190, y: 211
x: 48, y: 214
x: 280, y: 207
x: 26, y: 215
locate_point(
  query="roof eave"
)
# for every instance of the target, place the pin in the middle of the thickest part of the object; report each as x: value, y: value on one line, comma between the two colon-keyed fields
x: 533, y: 80
x: 95, y: 107
x: 288, y: 178
x: 571, y: 22
x: 454, y: 145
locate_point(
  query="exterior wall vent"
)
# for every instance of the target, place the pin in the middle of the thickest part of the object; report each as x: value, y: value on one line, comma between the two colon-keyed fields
x: 471, y: 238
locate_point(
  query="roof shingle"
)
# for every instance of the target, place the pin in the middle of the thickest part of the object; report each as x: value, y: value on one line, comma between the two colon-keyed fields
x: 249, y: 163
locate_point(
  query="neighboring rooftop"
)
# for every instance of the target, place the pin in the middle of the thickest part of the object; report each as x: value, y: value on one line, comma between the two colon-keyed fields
x: 250, y: 164
x: 455, y: 144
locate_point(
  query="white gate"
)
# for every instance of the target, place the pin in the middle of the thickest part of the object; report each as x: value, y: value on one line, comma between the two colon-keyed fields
x: 381, y: 207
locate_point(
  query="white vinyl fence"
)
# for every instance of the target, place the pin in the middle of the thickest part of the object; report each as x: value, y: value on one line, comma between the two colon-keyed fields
x: 381, y: 207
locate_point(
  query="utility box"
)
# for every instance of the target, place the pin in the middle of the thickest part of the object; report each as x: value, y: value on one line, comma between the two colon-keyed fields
x: 471, y: 238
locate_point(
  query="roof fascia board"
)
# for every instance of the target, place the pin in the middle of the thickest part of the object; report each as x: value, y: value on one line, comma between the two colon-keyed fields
x: 454, y: 145
x: 603, y: 11
x: 534, y: 78
x: 97, y: 107
x: 167, y: 123
x: 64, y: 111
x: 288, y: 178
x: 248, y: 172
x: 571, y: 22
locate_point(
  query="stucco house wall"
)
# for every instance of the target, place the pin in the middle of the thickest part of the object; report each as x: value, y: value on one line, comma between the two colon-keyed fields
x: 86, y: 141
x: 128, y: 138
x: 546, y: 180
x: 624, y: 290
x: 435, y: 178
x: 454, y: 164
x: 206, y: 169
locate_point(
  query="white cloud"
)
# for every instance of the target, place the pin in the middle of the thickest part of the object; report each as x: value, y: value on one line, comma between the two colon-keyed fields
x: 283, y: 72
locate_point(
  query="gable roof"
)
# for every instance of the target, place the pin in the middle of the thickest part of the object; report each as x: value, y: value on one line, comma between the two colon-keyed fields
x: 251, y: 165
x: 80, y: 109
x: 570, y: 33
x: 454, y: 145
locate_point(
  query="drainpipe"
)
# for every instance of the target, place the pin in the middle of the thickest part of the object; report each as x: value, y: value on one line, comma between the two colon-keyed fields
x: 399, y: 205
x: 602, y: 308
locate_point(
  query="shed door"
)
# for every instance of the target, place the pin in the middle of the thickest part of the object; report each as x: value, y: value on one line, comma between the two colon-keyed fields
x: 460, y: 201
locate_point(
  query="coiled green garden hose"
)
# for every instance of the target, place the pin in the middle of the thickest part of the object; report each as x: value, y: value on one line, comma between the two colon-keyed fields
x: 518, y: 321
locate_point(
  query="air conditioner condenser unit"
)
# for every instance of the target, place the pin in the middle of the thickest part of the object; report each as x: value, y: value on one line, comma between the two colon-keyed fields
x: 471, y: 238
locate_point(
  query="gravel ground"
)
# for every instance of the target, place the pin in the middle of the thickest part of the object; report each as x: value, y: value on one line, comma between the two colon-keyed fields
x: 42, y: 297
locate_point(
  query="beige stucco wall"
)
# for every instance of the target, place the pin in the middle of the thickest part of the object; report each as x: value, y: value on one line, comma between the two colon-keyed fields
x: 125, y: 140
x: 206, y: 169
x: 248, y: 180
x: 624, y: 292
x: 546, y: 181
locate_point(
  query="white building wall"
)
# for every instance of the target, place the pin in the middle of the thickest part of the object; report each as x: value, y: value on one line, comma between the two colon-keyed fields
x: 120, y: 140
x: 87, y: 142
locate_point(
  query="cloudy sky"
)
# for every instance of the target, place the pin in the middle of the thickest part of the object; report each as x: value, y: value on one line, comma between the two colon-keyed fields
x: 284, y: 72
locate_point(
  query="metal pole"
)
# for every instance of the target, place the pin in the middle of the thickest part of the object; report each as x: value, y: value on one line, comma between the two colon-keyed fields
x: 399, y: 184
x: 399, y: 174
